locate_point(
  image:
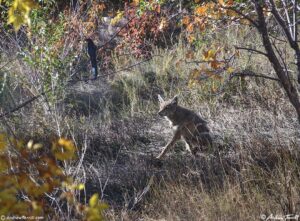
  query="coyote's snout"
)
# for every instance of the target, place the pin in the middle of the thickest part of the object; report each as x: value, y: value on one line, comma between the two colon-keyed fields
x: 186, y: 125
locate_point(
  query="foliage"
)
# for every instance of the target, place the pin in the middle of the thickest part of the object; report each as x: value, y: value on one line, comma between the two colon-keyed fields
x: 146, y: 26
x: 18, y: 13
x: 29, y: 173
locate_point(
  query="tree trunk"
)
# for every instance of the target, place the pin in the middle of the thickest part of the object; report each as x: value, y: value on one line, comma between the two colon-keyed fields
x: 281, y: 73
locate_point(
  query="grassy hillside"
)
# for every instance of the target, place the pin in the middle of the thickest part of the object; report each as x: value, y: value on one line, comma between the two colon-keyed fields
x: 252, y: 172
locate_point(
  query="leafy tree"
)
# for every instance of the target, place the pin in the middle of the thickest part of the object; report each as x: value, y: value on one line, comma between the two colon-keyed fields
x: 283, y: 14
x: 29, y: 173
x: 19, y: 10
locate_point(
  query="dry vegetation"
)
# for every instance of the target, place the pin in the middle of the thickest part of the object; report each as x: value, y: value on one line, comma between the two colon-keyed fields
x: 253, y: 170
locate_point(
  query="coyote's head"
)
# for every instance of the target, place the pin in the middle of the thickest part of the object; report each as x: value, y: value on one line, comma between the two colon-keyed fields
x: 167, y: 108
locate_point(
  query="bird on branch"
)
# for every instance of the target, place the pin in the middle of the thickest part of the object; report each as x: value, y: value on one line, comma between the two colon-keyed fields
x: 92, y: 52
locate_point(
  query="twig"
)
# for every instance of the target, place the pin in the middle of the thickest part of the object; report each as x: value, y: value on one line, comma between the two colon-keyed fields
x: 139, y: 197
x: 21, y: 105
x: 245, y: 73
x: 254, y: 23
x: 248, y: 73
x: 252, y: 50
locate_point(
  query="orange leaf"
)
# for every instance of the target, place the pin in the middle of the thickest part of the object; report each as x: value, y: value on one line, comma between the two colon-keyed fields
x: 185, y: 20
x: 200, y: 10
x: 215, y: 64
x: 229, y: 3
x: 190, y: 27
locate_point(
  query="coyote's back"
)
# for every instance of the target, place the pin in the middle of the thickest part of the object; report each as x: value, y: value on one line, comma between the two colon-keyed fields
x: 186, y: 125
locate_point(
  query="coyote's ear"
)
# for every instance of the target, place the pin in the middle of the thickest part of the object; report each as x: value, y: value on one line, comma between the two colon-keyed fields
x: 160, y: 98
x: 175, y: 100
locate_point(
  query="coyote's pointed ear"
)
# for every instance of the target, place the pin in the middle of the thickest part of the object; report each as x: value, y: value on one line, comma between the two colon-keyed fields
x: 175, y: 100
x: 160, y: 98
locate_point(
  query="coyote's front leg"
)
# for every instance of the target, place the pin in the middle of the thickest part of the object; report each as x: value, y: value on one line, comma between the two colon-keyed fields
x: 175, y: 138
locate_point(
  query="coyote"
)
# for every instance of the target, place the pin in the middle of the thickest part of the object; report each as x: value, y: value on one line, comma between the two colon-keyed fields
x: 186, y: 124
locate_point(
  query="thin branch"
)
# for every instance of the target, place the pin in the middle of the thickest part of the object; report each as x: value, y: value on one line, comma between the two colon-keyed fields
x: 287, y: 15
x: 254, y: 23
x: 295, y: 22
x: 252, y: 50
x: 248, y: 73
x: 280, y: 56
x: 9, y: 61
x: 197, y: 62
x: 282, y: 24
x: 245, y: 73
x: 21, y: 105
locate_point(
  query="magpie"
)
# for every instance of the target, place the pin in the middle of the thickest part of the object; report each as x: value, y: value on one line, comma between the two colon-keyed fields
x: 92, y: 52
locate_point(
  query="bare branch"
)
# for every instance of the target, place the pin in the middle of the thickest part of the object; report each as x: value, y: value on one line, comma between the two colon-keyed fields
x: 21, y: 105
x: 244, y: 73
x: 252, y: 50
x: 280, y: 56
x: 295, y: 10
x: 287, y: 16
x: 281, y: 73
x: 254, y: 23
x: 248, y: 73
x: 282, y: 24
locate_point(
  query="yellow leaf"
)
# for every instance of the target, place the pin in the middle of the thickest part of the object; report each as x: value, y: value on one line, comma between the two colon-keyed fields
x: 230, y: 70
x: 64, y: 149
x: 18, y: 13
x: 209, y: 55
x: 37, y: 146
x: 80, y: 186
x: 117, y: 18
x: 93, y: 202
